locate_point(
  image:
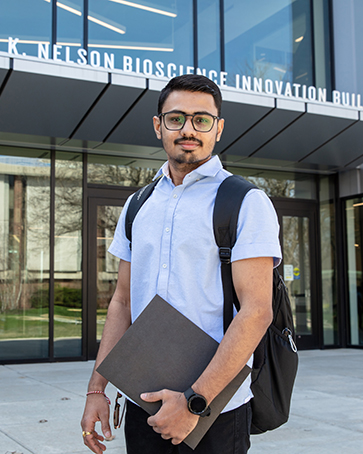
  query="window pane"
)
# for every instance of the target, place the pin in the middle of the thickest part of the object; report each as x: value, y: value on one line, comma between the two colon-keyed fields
x: 24, y: 255
x: 29, y: 21
x: 280, y: 184
x: 70, y: 28
x: 107, y: 264
x: 354, y: 219
x: 297, y: 274
x: 113, y: 170
x: 209, y: 55
x: 145, y: 32
x: 271, y: 40
x: 348, y: 46
x: 68, y: 256
x: 328, y: 261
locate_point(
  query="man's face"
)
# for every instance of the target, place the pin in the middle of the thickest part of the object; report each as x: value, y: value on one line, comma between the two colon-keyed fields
x: 188, y: 146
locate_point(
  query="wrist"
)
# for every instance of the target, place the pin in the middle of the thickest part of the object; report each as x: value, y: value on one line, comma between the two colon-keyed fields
x: 97, y: 392
x: 196, y: 403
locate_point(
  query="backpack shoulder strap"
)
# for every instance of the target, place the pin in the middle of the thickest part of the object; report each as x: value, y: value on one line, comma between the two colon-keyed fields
x: 138, y: 199
x: 230, y: 195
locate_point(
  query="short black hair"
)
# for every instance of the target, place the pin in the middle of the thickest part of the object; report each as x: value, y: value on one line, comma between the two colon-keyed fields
x: 193, y: 83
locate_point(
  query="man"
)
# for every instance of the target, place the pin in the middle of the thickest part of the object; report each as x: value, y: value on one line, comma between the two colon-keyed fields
x: 175, y: 256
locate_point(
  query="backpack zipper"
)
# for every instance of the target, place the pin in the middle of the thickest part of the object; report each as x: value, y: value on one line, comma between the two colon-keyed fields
x: 286, y: 332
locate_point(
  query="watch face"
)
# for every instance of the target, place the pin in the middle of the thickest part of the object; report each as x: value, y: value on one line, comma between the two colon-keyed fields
x: 198, y: 404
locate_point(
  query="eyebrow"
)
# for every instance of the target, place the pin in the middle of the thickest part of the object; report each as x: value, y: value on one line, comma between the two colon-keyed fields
x: 195, y: 113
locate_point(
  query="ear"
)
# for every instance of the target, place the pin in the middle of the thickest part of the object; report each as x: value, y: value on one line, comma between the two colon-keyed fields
x: 220, y: 127
x: 157, y: 126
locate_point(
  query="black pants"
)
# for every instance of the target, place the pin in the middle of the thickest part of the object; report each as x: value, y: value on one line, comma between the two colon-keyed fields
x: 229, y: 434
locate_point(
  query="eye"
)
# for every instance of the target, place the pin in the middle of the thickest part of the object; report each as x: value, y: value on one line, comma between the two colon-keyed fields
x: 203, y: 121
x: 175, y: 118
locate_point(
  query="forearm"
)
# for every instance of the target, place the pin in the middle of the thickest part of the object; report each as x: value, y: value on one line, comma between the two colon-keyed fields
x: 117, y: 322
x: 252, y: 279
x: 235, y: 349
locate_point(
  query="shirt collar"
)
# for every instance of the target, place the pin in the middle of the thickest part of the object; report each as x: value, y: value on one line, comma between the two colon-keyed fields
x: 208, y: 169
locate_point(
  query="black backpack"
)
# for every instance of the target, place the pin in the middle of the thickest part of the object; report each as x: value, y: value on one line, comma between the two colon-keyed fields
x: 275, y: 358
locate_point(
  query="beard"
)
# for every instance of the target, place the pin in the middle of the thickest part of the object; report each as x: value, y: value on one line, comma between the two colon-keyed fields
x: 187, y: 157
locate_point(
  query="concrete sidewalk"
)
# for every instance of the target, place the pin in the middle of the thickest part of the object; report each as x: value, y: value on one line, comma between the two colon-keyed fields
x: 41, y: 407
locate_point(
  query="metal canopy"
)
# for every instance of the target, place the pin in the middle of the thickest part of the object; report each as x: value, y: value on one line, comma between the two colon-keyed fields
x: 73, y: 108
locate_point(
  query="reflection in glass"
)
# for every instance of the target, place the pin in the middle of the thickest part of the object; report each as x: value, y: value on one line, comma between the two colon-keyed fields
x: 328, y: 261
x: 24, y: 256
x: 113, y: 170
x: 70, y: 28
x: 107, y: 264
x: 269, y: 40
x: 296, y: 251
x: 147, y: 33
x: 280, y: 184
x: 68, y: 256
x: 354, y: 220
x: 209, y: 55
x: 29, y: 21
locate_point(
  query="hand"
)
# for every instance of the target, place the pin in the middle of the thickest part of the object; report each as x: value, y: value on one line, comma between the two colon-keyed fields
x: 97, y: 409
x: 173, y: 421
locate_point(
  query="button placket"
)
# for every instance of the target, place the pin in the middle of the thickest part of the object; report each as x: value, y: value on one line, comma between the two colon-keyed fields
x: 164, y: 270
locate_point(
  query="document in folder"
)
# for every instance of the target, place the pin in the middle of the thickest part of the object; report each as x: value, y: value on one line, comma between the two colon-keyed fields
x: 163, y: 349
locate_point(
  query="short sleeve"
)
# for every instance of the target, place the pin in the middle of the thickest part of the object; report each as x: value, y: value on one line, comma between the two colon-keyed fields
x: 120, y: 246
x: 257, y: 229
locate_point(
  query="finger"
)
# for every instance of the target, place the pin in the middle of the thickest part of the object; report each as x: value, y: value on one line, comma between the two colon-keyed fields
x: 91, y: 440
x: 152, y: 397
x: 106, y: 430
x: 156, y: 429
x: 176, y: 441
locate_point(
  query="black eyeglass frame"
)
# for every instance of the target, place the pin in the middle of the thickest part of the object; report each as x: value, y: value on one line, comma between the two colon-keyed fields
x: 185, y: 117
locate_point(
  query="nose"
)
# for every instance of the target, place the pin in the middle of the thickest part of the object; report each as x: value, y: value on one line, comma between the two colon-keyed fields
x: 188, y: 128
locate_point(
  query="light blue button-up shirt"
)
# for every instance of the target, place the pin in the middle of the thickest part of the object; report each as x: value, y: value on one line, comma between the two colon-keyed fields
x: 174, y: 253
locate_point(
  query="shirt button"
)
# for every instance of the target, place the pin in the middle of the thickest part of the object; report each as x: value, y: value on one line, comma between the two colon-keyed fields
x: 175, y: 196
x: 165, y: 265
x: 167, y: 230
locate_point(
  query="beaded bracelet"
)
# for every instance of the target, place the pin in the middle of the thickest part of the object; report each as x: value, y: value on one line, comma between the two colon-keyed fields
x: 99, y: 392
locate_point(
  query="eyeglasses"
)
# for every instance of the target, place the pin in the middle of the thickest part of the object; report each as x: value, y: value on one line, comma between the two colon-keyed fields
x: 117, y: 420
x: 175, y: 121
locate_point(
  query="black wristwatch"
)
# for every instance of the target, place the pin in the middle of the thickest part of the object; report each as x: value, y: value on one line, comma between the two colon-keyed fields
x: 197, y: 404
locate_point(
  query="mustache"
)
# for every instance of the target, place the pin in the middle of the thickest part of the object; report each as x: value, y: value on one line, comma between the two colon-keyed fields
x: 187, y: 139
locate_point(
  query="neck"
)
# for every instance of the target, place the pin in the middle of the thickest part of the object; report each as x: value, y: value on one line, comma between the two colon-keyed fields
x: 178, y: 171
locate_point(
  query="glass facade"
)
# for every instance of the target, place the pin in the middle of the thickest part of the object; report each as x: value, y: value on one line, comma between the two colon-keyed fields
x: 269, y: 40
x: 69, y: 28
x: 354, y: 228
x: 107, y: 264
x: 29, y: 22
x: 143, y: 37
x: 280, y: 184
x: 348, y: 48
x: 266, y: 40
x: 329, y: 261
x: 297, y: 273
x: 116, y: 171
x: 24, y: 254
x: 209, y: 43
x: 68, y: 208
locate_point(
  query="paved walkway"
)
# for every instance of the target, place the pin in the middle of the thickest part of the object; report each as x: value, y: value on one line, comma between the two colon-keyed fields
x: 41, y: 406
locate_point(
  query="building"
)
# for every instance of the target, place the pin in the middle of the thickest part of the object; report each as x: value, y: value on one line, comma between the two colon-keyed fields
x: 79, y: 82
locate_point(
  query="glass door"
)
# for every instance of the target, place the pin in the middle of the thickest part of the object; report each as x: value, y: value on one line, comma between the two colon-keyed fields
x: 103, y: 214
x: 299, y: 269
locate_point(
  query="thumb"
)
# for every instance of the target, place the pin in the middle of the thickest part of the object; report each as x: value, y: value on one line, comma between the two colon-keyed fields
x: 106, y: 430
x: 152, y: 397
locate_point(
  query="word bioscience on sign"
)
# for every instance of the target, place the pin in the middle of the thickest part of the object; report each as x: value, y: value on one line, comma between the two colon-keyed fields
x: 148, y: 68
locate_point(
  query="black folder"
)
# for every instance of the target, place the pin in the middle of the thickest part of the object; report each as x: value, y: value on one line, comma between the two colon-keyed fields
x: 163, y: 349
